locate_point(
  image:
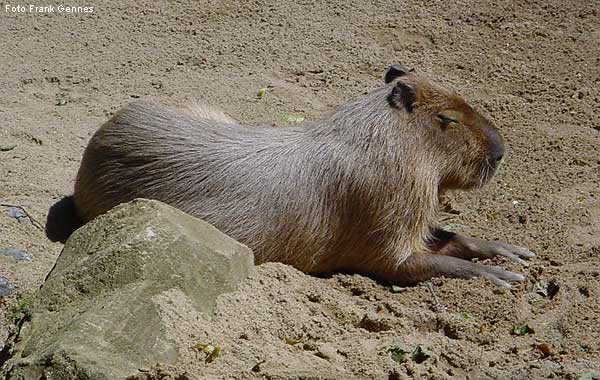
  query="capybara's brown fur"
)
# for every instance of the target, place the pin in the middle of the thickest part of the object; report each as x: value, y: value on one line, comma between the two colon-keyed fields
x: 356, y: 191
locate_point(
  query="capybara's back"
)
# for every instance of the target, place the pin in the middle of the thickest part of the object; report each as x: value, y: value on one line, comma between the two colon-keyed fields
x: 243, y: 180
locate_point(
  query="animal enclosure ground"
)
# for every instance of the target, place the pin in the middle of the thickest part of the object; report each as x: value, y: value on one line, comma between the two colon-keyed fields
x: 531, y: 66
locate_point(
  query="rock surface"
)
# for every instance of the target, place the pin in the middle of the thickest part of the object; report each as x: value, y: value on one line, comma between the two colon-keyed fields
x: 99, y: 314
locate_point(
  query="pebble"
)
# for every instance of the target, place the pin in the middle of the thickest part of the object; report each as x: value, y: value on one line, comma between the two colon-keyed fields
x: 6, y: 287
x: 16, y: 213
x: 6, y: 148
x: 16, y: 253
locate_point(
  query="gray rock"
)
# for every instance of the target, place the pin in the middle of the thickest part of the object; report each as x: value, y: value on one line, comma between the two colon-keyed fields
x: 97, y: 316
x: 16, y: 253
x: 16, y: 213
x: 6, y: 288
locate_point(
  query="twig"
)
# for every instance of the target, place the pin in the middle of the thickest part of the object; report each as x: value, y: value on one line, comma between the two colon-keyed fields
x: 435, y: 297
x: 33, y: 221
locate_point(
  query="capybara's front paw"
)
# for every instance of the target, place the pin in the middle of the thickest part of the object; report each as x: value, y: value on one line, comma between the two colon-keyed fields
x: 487, y: 249
x: 421, y: 267
x: 459, y: 268
x: 497, y: 275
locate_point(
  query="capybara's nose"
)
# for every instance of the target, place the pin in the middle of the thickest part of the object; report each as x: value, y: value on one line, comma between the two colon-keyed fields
x: 496, y: 145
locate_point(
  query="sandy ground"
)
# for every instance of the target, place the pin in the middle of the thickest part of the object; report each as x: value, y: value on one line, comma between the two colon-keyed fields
x: 531, y: 66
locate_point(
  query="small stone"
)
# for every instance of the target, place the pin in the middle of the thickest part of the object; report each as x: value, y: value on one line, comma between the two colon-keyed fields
x: 6, y: 148
x: 545, y: 349
x: 6, y: 288
x: 398, y: 289
x: 16, y: 213
x: 16, y: 253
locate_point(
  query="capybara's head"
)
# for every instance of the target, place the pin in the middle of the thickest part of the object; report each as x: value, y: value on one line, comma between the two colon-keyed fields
x: 464, y: 145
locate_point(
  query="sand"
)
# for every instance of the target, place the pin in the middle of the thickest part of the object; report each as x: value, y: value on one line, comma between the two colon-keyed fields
x: 531, y: 66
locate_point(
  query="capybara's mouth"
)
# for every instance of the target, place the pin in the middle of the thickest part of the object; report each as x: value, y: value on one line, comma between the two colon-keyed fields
x: 486, y: 173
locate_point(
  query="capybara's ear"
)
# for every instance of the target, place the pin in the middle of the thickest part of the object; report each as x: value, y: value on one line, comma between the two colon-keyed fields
x: 403, y: 96
x: 394, y: 72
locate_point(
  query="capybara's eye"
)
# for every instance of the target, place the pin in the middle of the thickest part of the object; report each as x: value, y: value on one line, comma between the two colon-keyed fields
x: 445, y: 120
